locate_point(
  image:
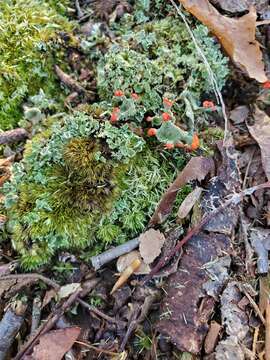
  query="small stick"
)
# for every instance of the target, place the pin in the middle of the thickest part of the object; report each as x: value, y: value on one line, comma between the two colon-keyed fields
x: 12, y: 136
x: 99, y: 260
x: 48, y: 325
x: 78, y: 9
x: 10, y: 325
x: 254, y: 343
x: 69, y: 81
x: 234, y: 200
x: 100, y: 351
x: 36, y: 314
x: 32, y: 276
x: 97, y: 312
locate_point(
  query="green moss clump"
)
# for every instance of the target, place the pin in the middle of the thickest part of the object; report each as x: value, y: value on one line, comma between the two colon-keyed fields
x: 85, y: 183
x: 28, y: 50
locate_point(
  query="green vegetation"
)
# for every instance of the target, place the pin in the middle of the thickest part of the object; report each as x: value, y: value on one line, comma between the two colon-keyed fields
x: 94, y: 177
x: 75, y: 188
x: 29, y: 48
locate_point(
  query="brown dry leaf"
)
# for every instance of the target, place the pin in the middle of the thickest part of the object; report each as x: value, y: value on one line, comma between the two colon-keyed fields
x: 54, y: 344
x: 189, y: 202
x: 151, y: 243
x: 236, y: 35
x: 260, y: 131
x: 125, y: 260
x: 196, y: 169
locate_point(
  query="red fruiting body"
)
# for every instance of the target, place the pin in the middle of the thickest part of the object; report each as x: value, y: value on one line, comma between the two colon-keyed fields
x: 209, y: 105
x: 266, y: 85
x: 118, y: 93
x: 114, y: 117
x: 169, y: 146
x: 115, y: 114
x: 166, y: 116
x: 149, y: 118
x: 195, y: 142
x: 151, y: 132
x: 167, y: 102
x: 135, y: 96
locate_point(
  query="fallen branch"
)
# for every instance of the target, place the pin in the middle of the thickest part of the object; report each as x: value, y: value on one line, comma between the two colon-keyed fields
x: 69, y: 81
x: 55, y: 316
x: 234, y: 200
x: 93, y: 309
x: 13, y: 136
x: 48, y: 325
x: 33, y: 276
x: 99, y: 260
x: 9, y: 327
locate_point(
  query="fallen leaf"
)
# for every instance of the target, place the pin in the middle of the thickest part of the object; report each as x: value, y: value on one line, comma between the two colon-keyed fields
x: 67, y: 290
x: 125, y: 260
x: 54, y: 344
x: 260, y: 131
x: 150, y: 246
x: 49, y: 295
x: 189, y: 202
x: 196, y: 169
x: 236, y: 35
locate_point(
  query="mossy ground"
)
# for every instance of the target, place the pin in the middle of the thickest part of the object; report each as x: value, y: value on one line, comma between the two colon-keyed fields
x: 29, y: 48
x: 85, y: 183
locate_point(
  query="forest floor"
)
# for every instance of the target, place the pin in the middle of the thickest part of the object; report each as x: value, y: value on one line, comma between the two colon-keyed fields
x: 135, y: 180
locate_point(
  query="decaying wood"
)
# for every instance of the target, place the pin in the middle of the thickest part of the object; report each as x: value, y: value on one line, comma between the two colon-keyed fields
x: 9, y: 327
x: 13, y: 136
x: 212, y: 337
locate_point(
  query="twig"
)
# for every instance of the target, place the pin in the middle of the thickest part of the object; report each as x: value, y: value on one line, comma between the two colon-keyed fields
x: 78, y: 9
x: 9, y: 327
x: 208, y: 68
x: 100, y: 351
x: 252, y: 303
x: 36, y: 314
x: 12, y: 136
x: 48, y: 325
x: 254, y: 342
x: 132, y: 326
x: 69, y: 81
x: 111, y: 254
x: 31, y: 276
x: 98, y: 312
x: 234, y: 200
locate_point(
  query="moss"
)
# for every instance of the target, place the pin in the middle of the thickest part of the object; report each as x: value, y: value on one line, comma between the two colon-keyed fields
x: 85, y: 185
x: 29, y: 47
